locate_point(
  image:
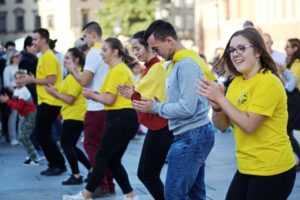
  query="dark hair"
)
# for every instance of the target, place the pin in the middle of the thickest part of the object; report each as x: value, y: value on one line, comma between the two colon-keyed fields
x: 160, y: 30
x: 9, y: 43
x: 93, y: 27
x: 116, y: 44
x: 76, y: 53
x: 295, y: 42
x: 253, y: 36
x: 140, y: 37
x: 44, y: 33
x: 27, y: 42
x: 52, y: 44
x: 248, y: 24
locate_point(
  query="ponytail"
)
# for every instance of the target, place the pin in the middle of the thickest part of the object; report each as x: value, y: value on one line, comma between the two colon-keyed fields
x: 115, y: 43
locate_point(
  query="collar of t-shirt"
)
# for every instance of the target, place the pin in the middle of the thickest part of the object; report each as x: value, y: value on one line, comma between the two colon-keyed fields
x: 150, y: 63
x: 97, y: 45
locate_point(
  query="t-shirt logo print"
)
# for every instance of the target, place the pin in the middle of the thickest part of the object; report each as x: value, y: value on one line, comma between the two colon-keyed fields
x: 243, y: 98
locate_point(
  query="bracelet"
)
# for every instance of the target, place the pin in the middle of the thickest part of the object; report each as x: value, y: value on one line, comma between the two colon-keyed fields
x: 217, y: 109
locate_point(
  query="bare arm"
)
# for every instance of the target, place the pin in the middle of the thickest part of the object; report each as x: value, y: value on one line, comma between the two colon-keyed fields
x: 68, y: 99
x: 83, y: 78
x: 104, y: 98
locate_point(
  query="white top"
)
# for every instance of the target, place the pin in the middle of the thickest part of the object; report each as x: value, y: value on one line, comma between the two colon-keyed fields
x: 278, y: 57
x: 22, y: 93
x: 94, y: 63
x: 9, y: 76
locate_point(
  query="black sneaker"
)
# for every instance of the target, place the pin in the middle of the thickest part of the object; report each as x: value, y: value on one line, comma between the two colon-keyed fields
x: 53, y: 171
x: 30, y: 162
x: 72, y: 180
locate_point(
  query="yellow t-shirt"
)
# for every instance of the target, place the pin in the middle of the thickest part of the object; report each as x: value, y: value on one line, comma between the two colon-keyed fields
x: 77, y: 110
x: 267, y: 151
x: 185, y: 53
x: 295, y: 68
x: 48, y: 65
x: 153, y: 83
x: 120, y: 74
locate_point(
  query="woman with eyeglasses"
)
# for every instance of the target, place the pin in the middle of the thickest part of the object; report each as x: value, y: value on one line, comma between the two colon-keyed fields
x: 292, y: 50
x: 256, y: 105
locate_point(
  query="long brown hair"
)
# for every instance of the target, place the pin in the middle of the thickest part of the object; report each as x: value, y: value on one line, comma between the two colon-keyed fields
x: 295, y: 42
x: 256, y: 40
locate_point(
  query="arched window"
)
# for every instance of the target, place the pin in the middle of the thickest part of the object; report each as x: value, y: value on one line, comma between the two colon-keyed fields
x: 19, y: 19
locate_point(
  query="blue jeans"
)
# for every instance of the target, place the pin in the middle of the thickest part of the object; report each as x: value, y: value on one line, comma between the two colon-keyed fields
x: 186, y: 163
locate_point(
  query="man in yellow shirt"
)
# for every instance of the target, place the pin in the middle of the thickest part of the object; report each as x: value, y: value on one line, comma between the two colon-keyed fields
x: 48, y: 73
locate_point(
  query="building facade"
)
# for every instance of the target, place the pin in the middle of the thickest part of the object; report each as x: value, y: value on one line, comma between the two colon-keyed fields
x: 181, y: 14
x: 18, y: 18
x: 216, y: 20
x: 63, y: 18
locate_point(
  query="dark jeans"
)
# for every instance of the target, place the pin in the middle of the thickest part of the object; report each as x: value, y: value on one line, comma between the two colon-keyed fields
x: 121, y: 126
x: 71, y: 132
x: 250, y: 187
x: 46, y: 115
x: 154, y: 152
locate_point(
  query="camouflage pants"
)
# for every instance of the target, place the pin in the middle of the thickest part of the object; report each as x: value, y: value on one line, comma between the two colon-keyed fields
x: 27, y: 124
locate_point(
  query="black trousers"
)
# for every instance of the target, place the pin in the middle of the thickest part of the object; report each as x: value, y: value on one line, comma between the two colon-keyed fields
x: 121, y: 127
x: 294, y: 119
x: 5, y: 112
x: 71, y: 132
x: 154, y: 152
x: 46, y: 115
x: 249, y: 187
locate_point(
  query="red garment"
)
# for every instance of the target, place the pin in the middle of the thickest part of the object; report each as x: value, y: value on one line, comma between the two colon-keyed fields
x: 23, y: 107
x: 151, y: 121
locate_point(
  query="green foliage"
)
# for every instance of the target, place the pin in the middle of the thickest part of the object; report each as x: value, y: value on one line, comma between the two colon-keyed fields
x: 130, y: 15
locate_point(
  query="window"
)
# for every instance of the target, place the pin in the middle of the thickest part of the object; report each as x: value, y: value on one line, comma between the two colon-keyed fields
x: 178, y: 22
x: 37, y: 21
x: 19, y: 19
x: 50, y: 21
x: 3, y: 22
x: 19, y: 1
x: 2, y: 2
x: 84, y: 17
x: 20, y: 23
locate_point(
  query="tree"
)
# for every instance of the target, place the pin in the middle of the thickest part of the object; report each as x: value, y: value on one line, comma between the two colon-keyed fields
x: 126, y: 17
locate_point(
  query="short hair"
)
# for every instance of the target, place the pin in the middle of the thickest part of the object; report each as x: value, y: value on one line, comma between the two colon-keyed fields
x: 160, y: 30
x: 93, y: 27
x: 27, y: 42
x: 44, y: 33
x: 9, y: 43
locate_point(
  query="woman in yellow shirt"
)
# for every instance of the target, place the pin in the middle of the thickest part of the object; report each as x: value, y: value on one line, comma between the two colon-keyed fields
x: 256, y: 105
x: 292, y: 50
x: 121, y: 122
x: 72, y: 112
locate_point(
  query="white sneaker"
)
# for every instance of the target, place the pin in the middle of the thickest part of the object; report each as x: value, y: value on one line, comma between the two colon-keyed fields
x: 78, y: 196
x: 135, y: 197
x: 14, y: 142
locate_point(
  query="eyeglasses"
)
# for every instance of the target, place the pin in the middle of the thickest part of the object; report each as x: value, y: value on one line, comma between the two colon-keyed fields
x: 239, y: 49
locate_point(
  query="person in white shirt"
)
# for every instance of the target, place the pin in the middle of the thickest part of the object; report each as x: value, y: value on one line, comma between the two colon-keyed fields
x: 9, y: 82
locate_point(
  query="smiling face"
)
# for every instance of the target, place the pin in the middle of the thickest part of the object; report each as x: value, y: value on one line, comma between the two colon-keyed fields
x: 139, y: 50
x: 165, y: 48
x: 38, y: 42
x: 242, y: 54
